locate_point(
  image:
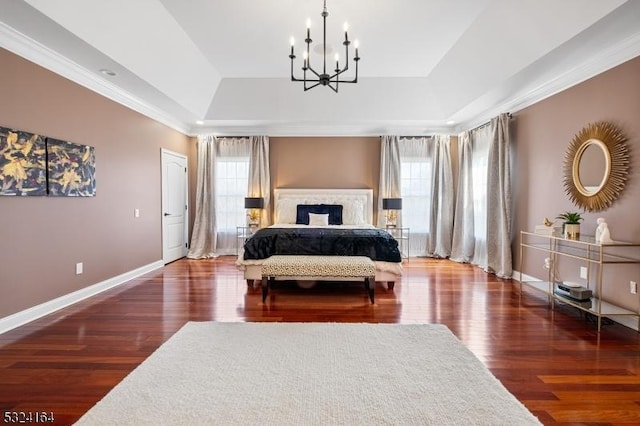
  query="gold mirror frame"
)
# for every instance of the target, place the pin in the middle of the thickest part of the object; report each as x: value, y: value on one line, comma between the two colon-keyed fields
x: 580, y: 158
x: 612, y: 143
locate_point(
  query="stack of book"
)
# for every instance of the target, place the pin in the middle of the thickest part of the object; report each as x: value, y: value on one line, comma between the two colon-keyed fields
x: 548, y: 230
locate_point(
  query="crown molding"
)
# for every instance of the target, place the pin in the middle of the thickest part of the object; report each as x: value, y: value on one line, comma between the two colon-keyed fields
x: 605, y: 60
x: 36, y: 52
x: 256, y: 128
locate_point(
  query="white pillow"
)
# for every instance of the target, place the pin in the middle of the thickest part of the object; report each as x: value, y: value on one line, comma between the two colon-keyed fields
x: 318, y: 219
x: 353, y: 213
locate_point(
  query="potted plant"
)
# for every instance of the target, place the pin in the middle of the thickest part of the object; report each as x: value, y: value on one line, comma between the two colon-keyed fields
x: 571, y: 225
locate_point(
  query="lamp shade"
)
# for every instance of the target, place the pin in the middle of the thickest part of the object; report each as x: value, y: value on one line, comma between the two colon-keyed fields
x: 392, y: 203
x: 253, y: 203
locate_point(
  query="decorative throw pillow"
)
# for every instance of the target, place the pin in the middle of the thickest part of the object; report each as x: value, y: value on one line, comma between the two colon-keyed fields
x: 286, y: 211
x: 334, y: 211
x: 353, y: 213
x: 318, y: 219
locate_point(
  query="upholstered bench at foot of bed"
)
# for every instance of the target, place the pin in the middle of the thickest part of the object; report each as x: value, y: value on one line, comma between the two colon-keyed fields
x: 320, y: 268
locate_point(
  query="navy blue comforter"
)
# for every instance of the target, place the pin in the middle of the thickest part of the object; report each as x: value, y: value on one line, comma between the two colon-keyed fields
x: 373, y: 243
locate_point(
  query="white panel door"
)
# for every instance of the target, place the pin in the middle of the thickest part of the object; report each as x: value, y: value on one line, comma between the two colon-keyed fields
x: 175, y: 210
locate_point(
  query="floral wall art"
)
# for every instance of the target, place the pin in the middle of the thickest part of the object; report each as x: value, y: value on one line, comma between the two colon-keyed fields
x: 70, y: 169
x: 32, y: 165
x: 23, y: 168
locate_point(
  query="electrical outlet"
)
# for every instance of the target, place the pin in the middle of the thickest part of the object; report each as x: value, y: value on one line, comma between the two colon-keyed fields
x: 79, y: 268
x: 136, y: 213
x: 633, y: 287
x: 583, y: 272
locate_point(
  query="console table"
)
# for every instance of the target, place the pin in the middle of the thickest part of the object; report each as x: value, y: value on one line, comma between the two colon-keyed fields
x: 594, y: 257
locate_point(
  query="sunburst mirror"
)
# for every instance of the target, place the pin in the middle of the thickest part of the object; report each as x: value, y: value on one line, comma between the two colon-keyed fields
x: 596, y: 166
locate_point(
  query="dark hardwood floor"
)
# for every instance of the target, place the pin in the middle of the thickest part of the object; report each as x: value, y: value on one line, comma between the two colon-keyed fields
x: 554, y: 361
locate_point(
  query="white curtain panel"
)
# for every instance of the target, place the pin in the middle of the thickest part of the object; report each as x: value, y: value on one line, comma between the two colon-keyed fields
x: 482, y: 226
x: 389, y: 176
x: 203, y: 237
x: 499, y: 199
x: 442, y: 198
x: 259, y: 176
x: 463, y: 242
x: 233, y: 147
x: 207, y: 240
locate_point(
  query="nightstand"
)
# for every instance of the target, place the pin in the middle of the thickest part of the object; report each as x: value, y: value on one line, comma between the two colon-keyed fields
x: 402, y: 235
x: 243, y: 233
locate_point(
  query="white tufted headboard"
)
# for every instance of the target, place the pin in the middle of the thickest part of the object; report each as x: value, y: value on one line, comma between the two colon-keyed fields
x: 357, y: 203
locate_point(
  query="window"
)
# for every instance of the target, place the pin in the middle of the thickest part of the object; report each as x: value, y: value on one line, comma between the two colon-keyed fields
x: 232, y: 177
x: 479, y: 166
x: 415, y: 183
x: 415, y: 187
x: 232, y: 181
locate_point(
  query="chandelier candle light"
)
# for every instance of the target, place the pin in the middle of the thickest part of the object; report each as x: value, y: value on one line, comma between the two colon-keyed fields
x: 324, y: 78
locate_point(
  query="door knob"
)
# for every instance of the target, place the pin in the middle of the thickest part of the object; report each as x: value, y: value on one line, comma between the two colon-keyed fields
x: 167, y: 214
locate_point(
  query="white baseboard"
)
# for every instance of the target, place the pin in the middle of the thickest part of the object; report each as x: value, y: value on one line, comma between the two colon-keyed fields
x: 627, y: 321
x: 46, y: 308
x: 630, y: 322
x: 525, y: 277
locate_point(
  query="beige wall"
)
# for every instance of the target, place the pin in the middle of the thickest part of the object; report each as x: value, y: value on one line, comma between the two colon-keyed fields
x: 541, y: 135
x: 338, y: 162
x: 323, y: 162
x: 42, y: 238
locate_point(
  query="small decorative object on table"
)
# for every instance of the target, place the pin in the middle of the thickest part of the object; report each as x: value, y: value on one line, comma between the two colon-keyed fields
x: 548, y: 228
x: 571, y: 226
x: 603, y: 235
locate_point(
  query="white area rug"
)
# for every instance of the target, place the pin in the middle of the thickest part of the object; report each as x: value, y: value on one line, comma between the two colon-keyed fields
x: 310, y: 374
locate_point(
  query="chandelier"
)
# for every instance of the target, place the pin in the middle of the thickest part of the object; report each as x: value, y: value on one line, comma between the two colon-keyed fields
x: 324, y: 78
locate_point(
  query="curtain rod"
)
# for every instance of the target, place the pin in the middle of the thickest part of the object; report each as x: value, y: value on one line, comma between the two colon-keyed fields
x: 470, y: 130
x: 487, y: 123
x: 401, y: 136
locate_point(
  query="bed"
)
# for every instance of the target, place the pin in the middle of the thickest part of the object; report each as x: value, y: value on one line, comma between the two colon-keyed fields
x: 321, y: 235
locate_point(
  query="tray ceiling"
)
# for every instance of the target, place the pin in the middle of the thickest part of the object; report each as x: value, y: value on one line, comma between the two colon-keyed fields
x: 427, y: 65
